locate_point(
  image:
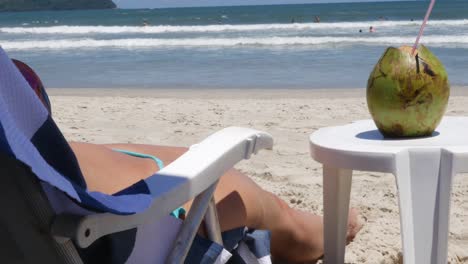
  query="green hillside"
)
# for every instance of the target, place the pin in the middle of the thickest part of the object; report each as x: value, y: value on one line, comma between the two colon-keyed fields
x: 31, y: 5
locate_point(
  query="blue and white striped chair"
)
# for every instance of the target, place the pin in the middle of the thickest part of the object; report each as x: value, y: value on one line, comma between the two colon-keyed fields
x: 48, y: 215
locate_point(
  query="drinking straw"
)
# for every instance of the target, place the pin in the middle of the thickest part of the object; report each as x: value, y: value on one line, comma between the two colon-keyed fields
x: 428, y: 13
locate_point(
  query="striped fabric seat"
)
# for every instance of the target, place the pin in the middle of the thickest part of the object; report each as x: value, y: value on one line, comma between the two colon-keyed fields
x: 28, y: 134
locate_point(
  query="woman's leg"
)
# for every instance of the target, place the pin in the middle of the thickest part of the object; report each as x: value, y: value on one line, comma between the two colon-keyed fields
x: 240, y: 202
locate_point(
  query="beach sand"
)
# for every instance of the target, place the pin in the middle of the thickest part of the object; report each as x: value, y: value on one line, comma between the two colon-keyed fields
x: 184, y: 117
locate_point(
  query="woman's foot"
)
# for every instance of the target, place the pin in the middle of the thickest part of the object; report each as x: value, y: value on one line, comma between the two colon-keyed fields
x: 354, y: 225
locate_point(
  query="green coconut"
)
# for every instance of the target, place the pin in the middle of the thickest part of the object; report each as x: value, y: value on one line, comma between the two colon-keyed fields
x: 407, y: 94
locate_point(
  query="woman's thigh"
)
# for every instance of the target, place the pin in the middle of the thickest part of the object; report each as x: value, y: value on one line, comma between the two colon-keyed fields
x: 107, y: 171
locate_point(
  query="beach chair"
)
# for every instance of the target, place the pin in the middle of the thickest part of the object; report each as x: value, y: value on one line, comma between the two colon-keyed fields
x: 48, y: 216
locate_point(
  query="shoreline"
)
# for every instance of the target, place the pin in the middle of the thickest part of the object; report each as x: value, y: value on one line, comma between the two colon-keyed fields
x: 224, y: 93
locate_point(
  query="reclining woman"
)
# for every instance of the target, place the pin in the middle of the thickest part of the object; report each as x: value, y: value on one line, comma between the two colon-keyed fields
x: 240, y: 201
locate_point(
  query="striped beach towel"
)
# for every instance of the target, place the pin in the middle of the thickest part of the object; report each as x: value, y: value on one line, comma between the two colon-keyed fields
x: 28, y: 133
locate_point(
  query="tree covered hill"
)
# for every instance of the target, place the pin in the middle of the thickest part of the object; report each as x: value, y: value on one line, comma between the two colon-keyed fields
x: 31, y: 5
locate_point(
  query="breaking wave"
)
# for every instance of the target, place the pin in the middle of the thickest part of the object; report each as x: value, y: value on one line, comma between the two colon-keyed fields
x: 445, y: 41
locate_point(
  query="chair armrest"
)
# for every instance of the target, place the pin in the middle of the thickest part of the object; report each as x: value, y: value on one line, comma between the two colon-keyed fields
x: 185, y: 178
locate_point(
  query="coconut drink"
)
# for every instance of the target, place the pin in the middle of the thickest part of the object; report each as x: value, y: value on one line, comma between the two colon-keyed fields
x: 407, y: 92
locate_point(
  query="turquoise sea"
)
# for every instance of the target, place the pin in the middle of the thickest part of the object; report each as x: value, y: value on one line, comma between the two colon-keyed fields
x: 276, y: 46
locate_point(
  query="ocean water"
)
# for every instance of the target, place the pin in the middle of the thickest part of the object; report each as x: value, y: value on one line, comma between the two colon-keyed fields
x: 231, y: 47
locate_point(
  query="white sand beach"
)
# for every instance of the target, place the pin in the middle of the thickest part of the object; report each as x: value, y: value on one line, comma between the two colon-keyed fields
x: 184, y: 117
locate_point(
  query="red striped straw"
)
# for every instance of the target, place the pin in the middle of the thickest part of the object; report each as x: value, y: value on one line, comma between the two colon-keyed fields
x: 428, y: 13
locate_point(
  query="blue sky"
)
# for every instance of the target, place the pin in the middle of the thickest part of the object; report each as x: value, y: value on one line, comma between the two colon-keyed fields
x: 179, y: 3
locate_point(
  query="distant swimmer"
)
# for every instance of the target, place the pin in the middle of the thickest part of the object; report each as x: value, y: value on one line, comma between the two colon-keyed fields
x: 360, y: 31
x: 145, y: 23
x: 371, y: 29
x: 317, y: 19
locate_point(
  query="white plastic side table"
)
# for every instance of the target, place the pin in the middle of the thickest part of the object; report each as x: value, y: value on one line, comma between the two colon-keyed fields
x: 423, y: 167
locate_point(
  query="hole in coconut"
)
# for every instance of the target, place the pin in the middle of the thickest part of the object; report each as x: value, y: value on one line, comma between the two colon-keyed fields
x: 417, y: 63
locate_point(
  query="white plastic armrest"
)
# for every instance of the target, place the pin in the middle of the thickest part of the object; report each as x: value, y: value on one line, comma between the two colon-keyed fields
x: 179, y: 182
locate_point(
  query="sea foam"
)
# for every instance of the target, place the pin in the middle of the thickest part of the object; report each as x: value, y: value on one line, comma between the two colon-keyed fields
x: 440, y: 40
